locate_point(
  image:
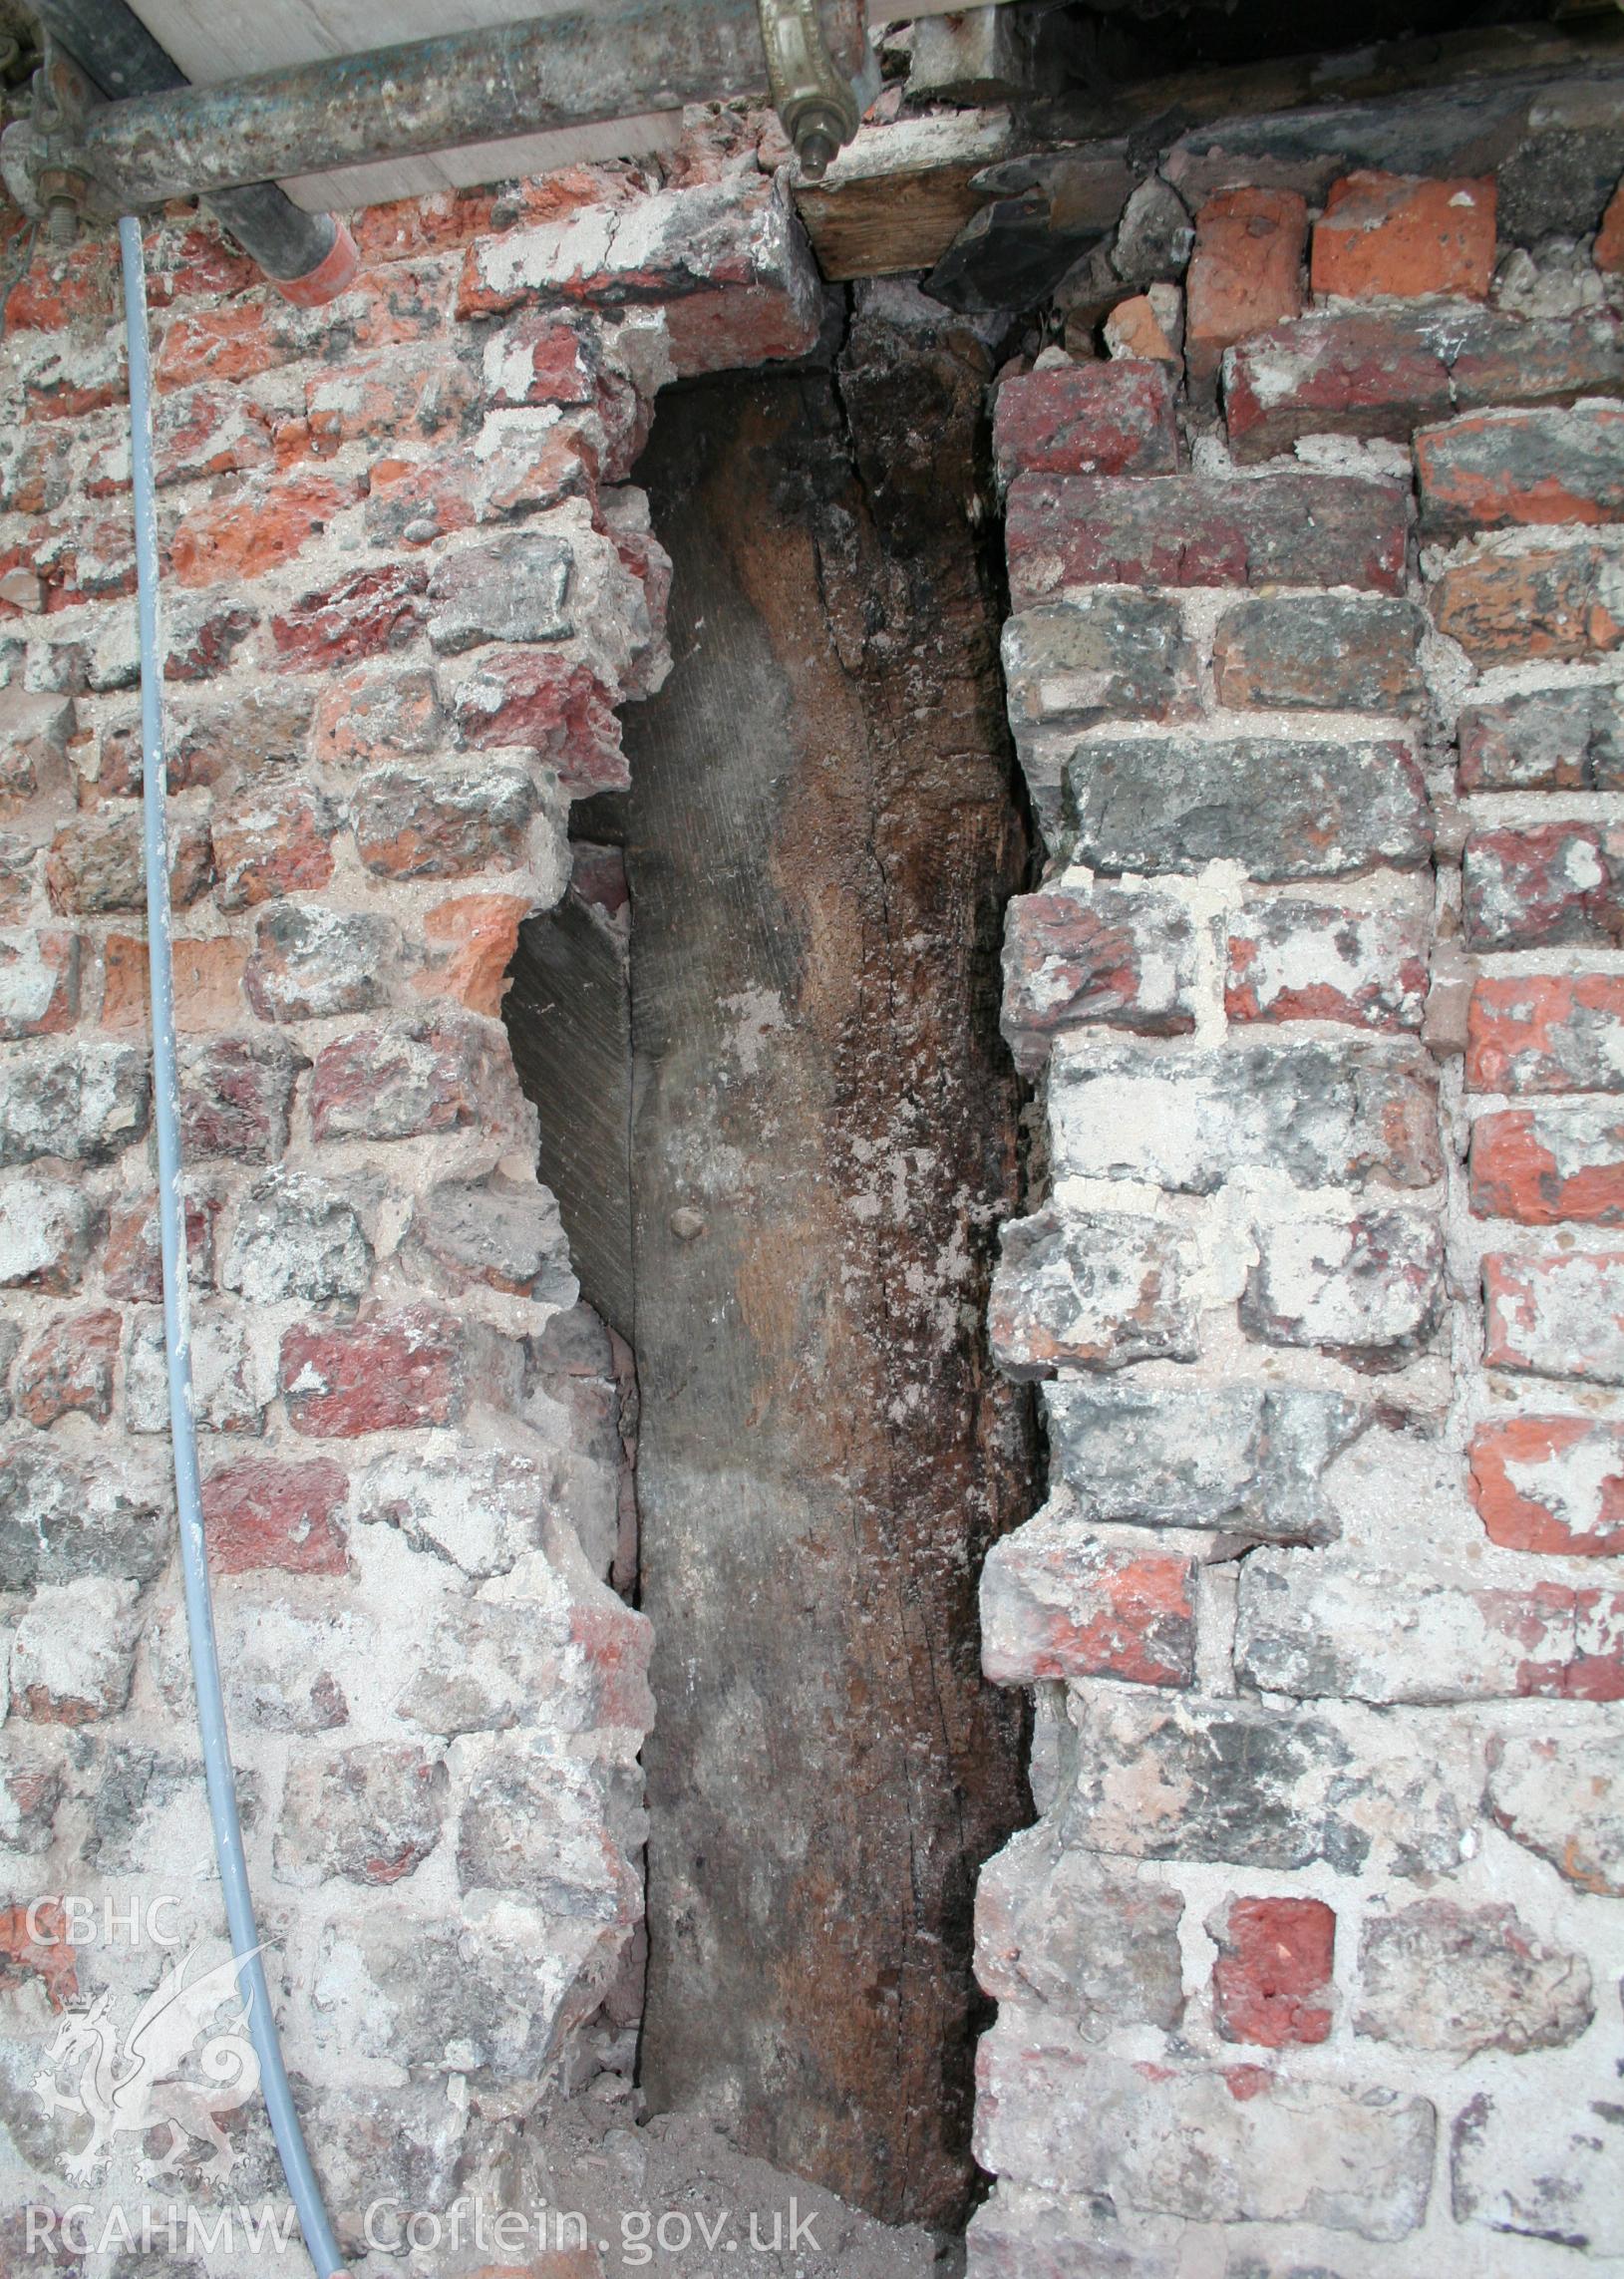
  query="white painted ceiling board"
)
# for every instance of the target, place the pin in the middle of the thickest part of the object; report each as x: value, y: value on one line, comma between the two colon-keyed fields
x: 212, y: 40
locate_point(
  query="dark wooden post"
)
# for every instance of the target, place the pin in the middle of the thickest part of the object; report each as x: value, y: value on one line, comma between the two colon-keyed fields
x: 823, y: 836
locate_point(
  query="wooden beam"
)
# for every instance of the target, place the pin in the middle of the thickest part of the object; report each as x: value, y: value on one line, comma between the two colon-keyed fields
x: 897, y: 196
x: 819, y: 843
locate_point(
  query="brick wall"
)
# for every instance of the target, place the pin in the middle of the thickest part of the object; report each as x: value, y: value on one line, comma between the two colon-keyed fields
x: 1312, y: 1959
x: 407, y: 585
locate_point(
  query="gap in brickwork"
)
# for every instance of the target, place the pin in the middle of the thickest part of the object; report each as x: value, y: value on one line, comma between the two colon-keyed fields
x: 824, y: 826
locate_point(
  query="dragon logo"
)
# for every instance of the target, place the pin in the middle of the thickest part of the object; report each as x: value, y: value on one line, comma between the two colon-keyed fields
x: 139, y: 2086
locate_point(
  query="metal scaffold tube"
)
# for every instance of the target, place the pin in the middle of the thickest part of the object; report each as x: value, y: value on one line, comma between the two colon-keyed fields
x: 113, y: 46
x: 575, y: 66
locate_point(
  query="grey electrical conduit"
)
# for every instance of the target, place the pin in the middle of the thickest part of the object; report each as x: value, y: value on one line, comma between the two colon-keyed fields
x: 206, y: 1667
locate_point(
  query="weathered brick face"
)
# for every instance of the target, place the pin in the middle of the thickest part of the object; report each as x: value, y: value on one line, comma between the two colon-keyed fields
x: 1324, y: 1288
x: 408, y: 585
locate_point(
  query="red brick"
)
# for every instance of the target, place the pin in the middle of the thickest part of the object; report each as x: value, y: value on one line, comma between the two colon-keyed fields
x: 1548, y: 883
x: 34, y: 1943
x: 236, y: 1097
x: 1553, y: 601
x: 192, y: 261
x: 740, y: 326
x: 1319, y: 652
x: 34, y: 471
x: 1271, y: 1983
x: 441, y: 1072
x: 60, y: 290
x: 444, y: 822
x: 1090, y: 1290
x: 134, y: 1266
x: 234, y: 342
x: 416, y: 399
x: 256, y: 527
x: 565, y: 190
x: 523, y: 469
x: 36, y: 733
x: 615, y: 1642
x: 1124, y: 957
x: 642, y: 554
x: 1503, y: 360
x: 364, y: 615
x: 17, y: 871
x: 1316, y: 961
x: 1397, y: 235
x: 96, y: 865
x: 68, y: 1369
x: 1181, y: 530
x: 272, y: 839
x: 1572, y: 1640
x: 206, y: 432
x: 1305, y: 379
x: 1357, y: 374
x: 207, y: 642
x: 22, y: 592
x: 1057, y: 1602
x: 311, y: 961
x: 1556, y: 1316
x: 1491, y: 469
x: 56, y: 394
x: 561, y: 711
x: 371, y: 715
x: 39, y: 984
x: 1551, y: 740
x: 264, y: 1511
x: 545, y: 356
x: 725, y: 259
x: 383, y: 1373
x: 400, y: 302
x: 1245, y: 273
x: 414, y: 503
x: 81, y: 561
x: 1546, y: 1033
x: 46, y: 1227
x: 1540, y: 1166
x: 478, y: 935
x: 1088, y: 418
x: 1550, y: 1484
x: 1367, y: 1290
x: 410, y: 226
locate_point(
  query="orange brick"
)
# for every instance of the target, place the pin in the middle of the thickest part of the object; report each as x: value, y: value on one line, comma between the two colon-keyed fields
x: 57, y: 288
x: 1609, y: 247
x: 1551, y: 1484
x: 33, y: 1944
x: 254, y: 528
x: 1399, y: 235
x: 1245, y: 273
x: 481, y: 933
x: 1133, y: 329
x: 230, y: 343
x: 207, y: 983
x: 416, y: 225
x: 1561, y: 1159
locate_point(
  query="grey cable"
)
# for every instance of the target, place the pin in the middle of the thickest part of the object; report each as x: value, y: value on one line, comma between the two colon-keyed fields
x: 206, y: 1667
